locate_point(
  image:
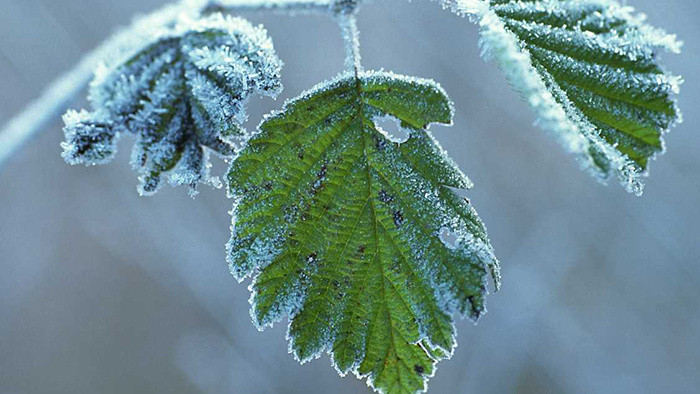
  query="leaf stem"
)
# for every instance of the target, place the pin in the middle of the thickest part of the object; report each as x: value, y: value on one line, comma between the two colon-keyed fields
x: 345, y: 14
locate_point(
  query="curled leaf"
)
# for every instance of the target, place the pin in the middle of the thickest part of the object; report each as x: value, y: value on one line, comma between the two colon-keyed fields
x: 182, y: 93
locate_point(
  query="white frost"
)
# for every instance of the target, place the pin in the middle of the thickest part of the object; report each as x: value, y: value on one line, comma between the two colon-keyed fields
x: 556, y: 113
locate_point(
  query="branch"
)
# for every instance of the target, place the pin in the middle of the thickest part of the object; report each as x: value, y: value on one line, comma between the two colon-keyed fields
x: 292, y: 7
x: 348, y: 27
x: 23, y: 125
x: 55, y: 97
x: 345, y: 11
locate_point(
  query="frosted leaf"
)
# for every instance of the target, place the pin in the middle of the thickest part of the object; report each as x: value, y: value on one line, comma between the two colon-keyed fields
x: 89, y: 139
x: 182, y: 93
x: 340, y: 228
x: 589, y: 70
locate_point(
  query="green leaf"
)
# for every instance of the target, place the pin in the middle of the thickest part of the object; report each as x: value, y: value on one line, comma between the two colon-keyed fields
x: 360, y: 240
x: 589, y: 69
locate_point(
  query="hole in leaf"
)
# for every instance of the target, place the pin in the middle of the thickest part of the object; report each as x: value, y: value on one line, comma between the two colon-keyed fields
x: 419, y: 369
x: 398, y: 218
x: 391, y: 128
x: 449, y: 238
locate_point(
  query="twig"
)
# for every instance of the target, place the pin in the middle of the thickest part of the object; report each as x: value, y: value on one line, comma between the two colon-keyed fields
x: 292, y: 7
x: 345, y: 13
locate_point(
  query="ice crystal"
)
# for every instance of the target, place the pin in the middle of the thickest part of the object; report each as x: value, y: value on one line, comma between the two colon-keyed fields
x: 182, y: 91
x: 340, y: 228
x: 589, y: 70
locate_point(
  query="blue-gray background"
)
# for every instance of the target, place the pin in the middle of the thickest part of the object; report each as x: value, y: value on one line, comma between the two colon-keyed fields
x: 102, y: 291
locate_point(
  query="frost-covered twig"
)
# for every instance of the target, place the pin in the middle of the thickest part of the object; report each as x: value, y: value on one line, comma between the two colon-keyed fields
x: 345, y: 11
x: 19, y: 128
x: 348, y: 26
x: 53, y: 100
x: 287, y: 6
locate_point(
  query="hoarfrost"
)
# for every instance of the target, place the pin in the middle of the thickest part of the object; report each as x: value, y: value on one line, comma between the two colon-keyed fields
x: 338, y: 222
x: 579, y: 63
x: 351, y: 36
x: 182, y: 90
x: 89, y: 139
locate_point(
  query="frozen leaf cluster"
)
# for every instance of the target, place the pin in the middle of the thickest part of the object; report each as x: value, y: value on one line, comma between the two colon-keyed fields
x: 361, y: 237
x: 363, y: 242
x: 182, y: 92
x: 589, y: 69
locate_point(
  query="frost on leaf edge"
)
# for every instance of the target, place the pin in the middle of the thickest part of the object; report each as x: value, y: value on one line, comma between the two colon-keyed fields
x: 492, y: 264
x: 501, y: 45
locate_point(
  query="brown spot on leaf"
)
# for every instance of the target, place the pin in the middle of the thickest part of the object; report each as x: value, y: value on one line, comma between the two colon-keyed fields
x: 385, y: 197
x: 380, y: 143
x: 322, y: 174
x: 419, y: 369
x: 398, y: 219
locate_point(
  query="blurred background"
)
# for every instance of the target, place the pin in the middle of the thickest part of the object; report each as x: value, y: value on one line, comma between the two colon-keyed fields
x: 103, y: 291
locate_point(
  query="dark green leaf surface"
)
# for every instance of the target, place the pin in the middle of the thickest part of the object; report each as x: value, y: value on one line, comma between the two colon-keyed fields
x: 360, y: 240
